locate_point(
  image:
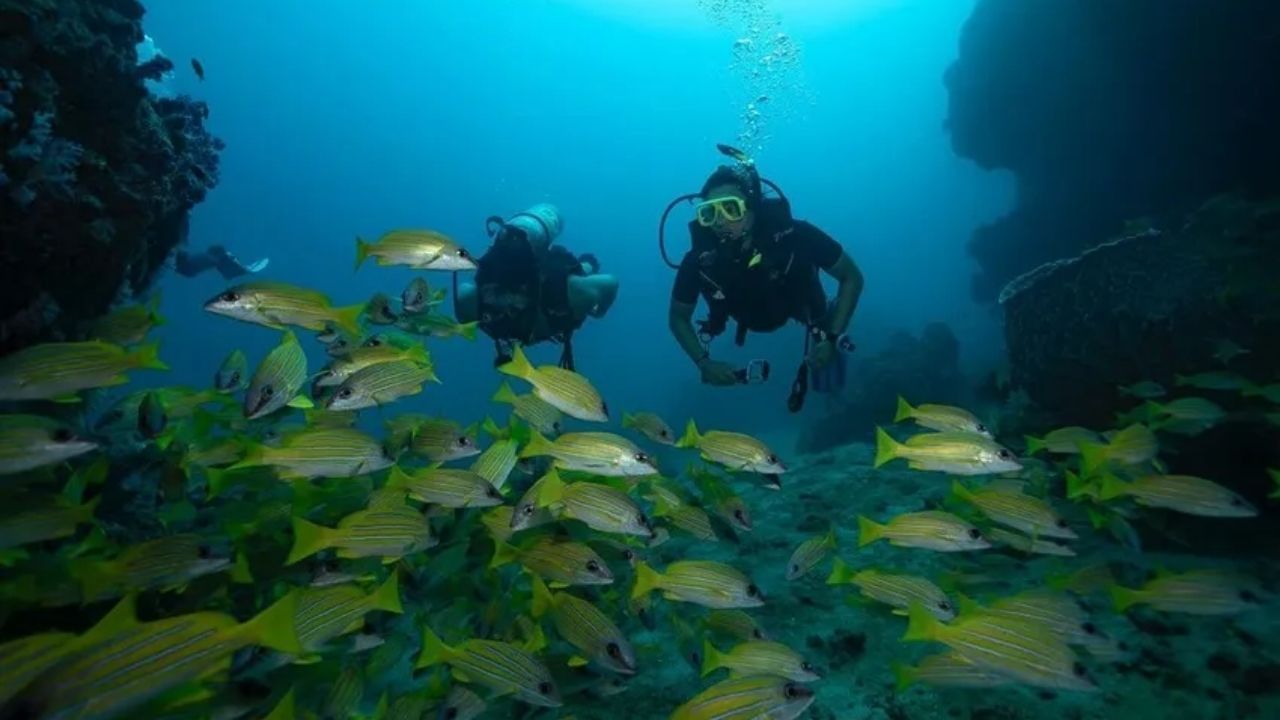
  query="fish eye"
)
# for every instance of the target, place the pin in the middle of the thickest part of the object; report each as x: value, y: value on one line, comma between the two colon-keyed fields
x: 628, y: 555
x: 642, y: 457
x: 1079, y: 670
x: 772, y: 459
x: 1089, y: 628
x: 1061, y: 523
x: 752, y: 590
x: 614, y: 651
x: 268, y: 391
x: 345, y: 393
x: 463, y: 442
x: 235, y: 378
x: 795, y: 567
x: 555, y: 427
x: 806, y: 667
x: 980, y: 428
x: 62, y: 435
x: 974, y: 534
x: 791, y: 691
x: 757, y: 634
x: 463, y: 254
x: 944, y: 605
x: 737, y: 514
x: 604, y: 407
x: 527, y: 510
x: 1004, y: 455
x: 545, y: 688
x: 593, y: 567
x: 1236, y: 501
x: 204, y: 552
x: 644, y: 521
x: 229, y: 296
x: 493, y: 493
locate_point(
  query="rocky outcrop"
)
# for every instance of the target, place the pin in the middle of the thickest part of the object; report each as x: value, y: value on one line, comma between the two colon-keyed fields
x: 96, y: 175
x: 1107, y: 111
x: 1146, y: 307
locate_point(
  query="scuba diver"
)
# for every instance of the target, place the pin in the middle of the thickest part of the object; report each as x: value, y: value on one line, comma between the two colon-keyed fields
x: 528, y: 290
x: 753, y: 262
x: 217, y: 258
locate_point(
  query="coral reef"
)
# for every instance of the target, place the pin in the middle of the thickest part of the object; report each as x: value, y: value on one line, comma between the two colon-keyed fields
x: 1146, y: 307
x: 96, y: 175
x: 925, y: 367
x: 1107, y: 111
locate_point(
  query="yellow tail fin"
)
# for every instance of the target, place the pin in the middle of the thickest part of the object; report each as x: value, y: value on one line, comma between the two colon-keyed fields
x: 468, y: 330
x: 905, y: 411
x: 504, y: 394
x: 538, y: 446
x: 387, y: 596
x: 712, y: 659
x: 434, y: 651
x: 1034, y: 444
x: 147, y: 357
x: 841, y: 573
x: 886, y: 447
x: 904, y: 676
x: 362, y: 251
x: 274, y: 627
x: 869, y: 531
x: 647, y: 580
x: 542, y: 600
x: 348, y: 318
x: 1122, y: 598
x: 518, y: 367
x: 920, y: 624
x: 308, y: 539
x: 691, y: 438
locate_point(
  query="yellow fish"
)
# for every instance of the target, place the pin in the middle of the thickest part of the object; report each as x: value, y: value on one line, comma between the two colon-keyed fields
x: 566, y: 390
x: 418, y: 249
x: 57, y: 371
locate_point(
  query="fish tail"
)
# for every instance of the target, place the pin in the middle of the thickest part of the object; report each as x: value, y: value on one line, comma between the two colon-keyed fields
x: 647, y: 580
x: 958, y: 490
x: 503, y: 554
x: 362, y: 251
x: 886, y: 447
x: 398, y: 479
x: 419, y: 354
x: 468, y: 330
x: 869, y: 531
x: 537, y: 446
x: 841, y: 573
x: 712, y: 659
x: 147, y: 357
x: 691, y: 438
x: 904, y: 676
x: 348, y: 318
x: 240, y: 572
x: 541, y: 597
x: 831, y: 540
x: 921, y: 625
x: 1122, y: 598
x: 1077, y: 487
x: 504, y: 394
x: 1034, y: 444
x: 274, y: 627
x: 308, y: 539
x: 1111, y: 487
x: 302, y: 402
x: 434, y: 651
x: 966, y: 605
x: 551, y: 490
x: 905, y: 411
x: 387, y: 596
x: 1092, y: 456
x: 519, y: 365
x: 628, y: 420
x: 96, y: 580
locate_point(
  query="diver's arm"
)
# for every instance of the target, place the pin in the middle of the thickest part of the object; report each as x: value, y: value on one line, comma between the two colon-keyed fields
x: 680, y: 320
x: 846, y: 272
x: 592, y: 294
x: 466, y: 305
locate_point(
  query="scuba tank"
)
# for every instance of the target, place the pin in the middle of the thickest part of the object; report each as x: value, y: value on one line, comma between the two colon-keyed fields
x: 540, y: 226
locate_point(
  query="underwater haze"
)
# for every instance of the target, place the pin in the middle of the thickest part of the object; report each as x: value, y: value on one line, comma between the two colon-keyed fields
x: 639, y: 359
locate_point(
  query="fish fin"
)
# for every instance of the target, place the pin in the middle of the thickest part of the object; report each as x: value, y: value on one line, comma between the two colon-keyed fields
x: 1034, y: 444
x: 869, y: 531
x: 503, y: 554
x: 96, y: 579
x: 921, y: 625
x: 398, y: 479
x: 122, y: 617
x: 1122, y: 598
x: 504, y: 394
x: 301, y: 401
x: 72, y: 399
x: 274, y: 627
x: 240, y: 572
x: 712, y: 659
x: 387, y: 596
x: 1077, y: 487
x: 537, y: 446
x: 1111, y: 487
x: 491, y: 427
x: 887, y: 448
x: 348, y: 318
x: 362, y: 251
x: 542, y: 600
x: 841, y: 573
x: 552, y: 489
x: 958, y: 490
x: 905, y: 411
x: 147, y: 357
x: 577, y: 661
x: 518, y: 366
x: 628, y: 420
x: 691, y: 437
x: 467, y: 330
x: 1092, y: 456
x: 647, y: 580
x: 434, y: 651
x: 966, y: 605
x: 904, y: 676
x: 308, y: 539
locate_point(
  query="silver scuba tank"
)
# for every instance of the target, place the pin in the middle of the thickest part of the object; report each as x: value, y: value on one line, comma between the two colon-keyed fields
x: 541, y: 225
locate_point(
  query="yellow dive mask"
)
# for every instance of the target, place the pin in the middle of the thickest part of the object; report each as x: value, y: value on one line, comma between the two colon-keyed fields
x: 731, y: 208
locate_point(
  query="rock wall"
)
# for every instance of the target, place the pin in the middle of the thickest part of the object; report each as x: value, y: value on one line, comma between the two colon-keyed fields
x: 96, y: 176
x: 1107, y: 111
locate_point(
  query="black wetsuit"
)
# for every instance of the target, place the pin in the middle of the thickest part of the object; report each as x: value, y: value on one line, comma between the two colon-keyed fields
x: 540, y: 286
x: 215, y: 258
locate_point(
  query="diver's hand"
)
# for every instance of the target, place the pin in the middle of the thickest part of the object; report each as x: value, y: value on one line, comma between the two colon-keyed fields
x: 821, y: 354
x: 717, y: 373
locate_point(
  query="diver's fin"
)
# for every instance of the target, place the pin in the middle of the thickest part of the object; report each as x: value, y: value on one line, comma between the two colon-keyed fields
x: 258, y: 265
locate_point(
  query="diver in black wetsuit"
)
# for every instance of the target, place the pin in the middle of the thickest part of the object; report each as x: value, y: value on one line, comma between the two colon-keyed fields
x: 217, y: 258
x: 753, y: 262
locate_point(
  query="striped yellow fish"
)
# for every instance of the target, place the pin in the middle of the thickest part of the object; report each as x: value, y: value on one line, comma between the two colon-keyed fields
x: 30, y: 441
x: 360, y: 358
x: 128, y: 325
x: 26, y: 658
x: 735, y: 451
x: 559, y: 562
x: 1133, y: 445
x: 527, y: 512
x: 49, y: 519
x: 57, y: 371
x: 1017, y: 510
x: 168, y: 562
x: 319, y: 452
x: 583, y: 626
x: 497, y: 461
x: 598, y: 453
x: 947, y: 670
x: 1086, y: 580
x: 233, y: 373
x: 750, y: 698
x: 138, y: 662
x: 736, y: 624
x: 502, y: 667
x: 345, y: 693
x: 1063, y: 441
x: 758, y: 657
x: 1025, y: 652
x: 895, y: 590
x: 460, y: 704
x: 1181, y: 493
x: 1035, y: 546
x: 689, y: 519
x: 436, y: 439
x: 540, y: 414
x: 385, y: 532
x: 418, y: 296
x: 276, y: 305
x: 601, y: 507
x: 809, y: 553
x: 418, y: 249
x: 1197, y: 592
x: 447, y: 487
x: 957, y: 453
x: 381, y: 384
x: 702, y: 582
x: 378, y: 310
x: 651, y: 426
x: 1054, y: 611
x: 928, y: 529
x: 727, y: 504
x: 566, y: 390
x: 277, y: 380
x: 325, y: 613
x: 438, y: 325
x: 944, y: 418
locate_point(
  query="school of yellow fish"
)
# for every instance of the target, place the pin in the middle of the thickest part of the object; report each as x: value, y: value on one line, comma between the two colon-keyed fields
x: 191, y: 544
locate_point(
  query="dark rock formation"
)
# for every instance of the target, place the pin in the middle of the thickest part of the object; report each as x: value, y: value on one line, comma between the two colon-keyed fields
x: 924, y: 369
x: 1145, y: 307
x: 1107, y: 111
x: 96, y: 176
